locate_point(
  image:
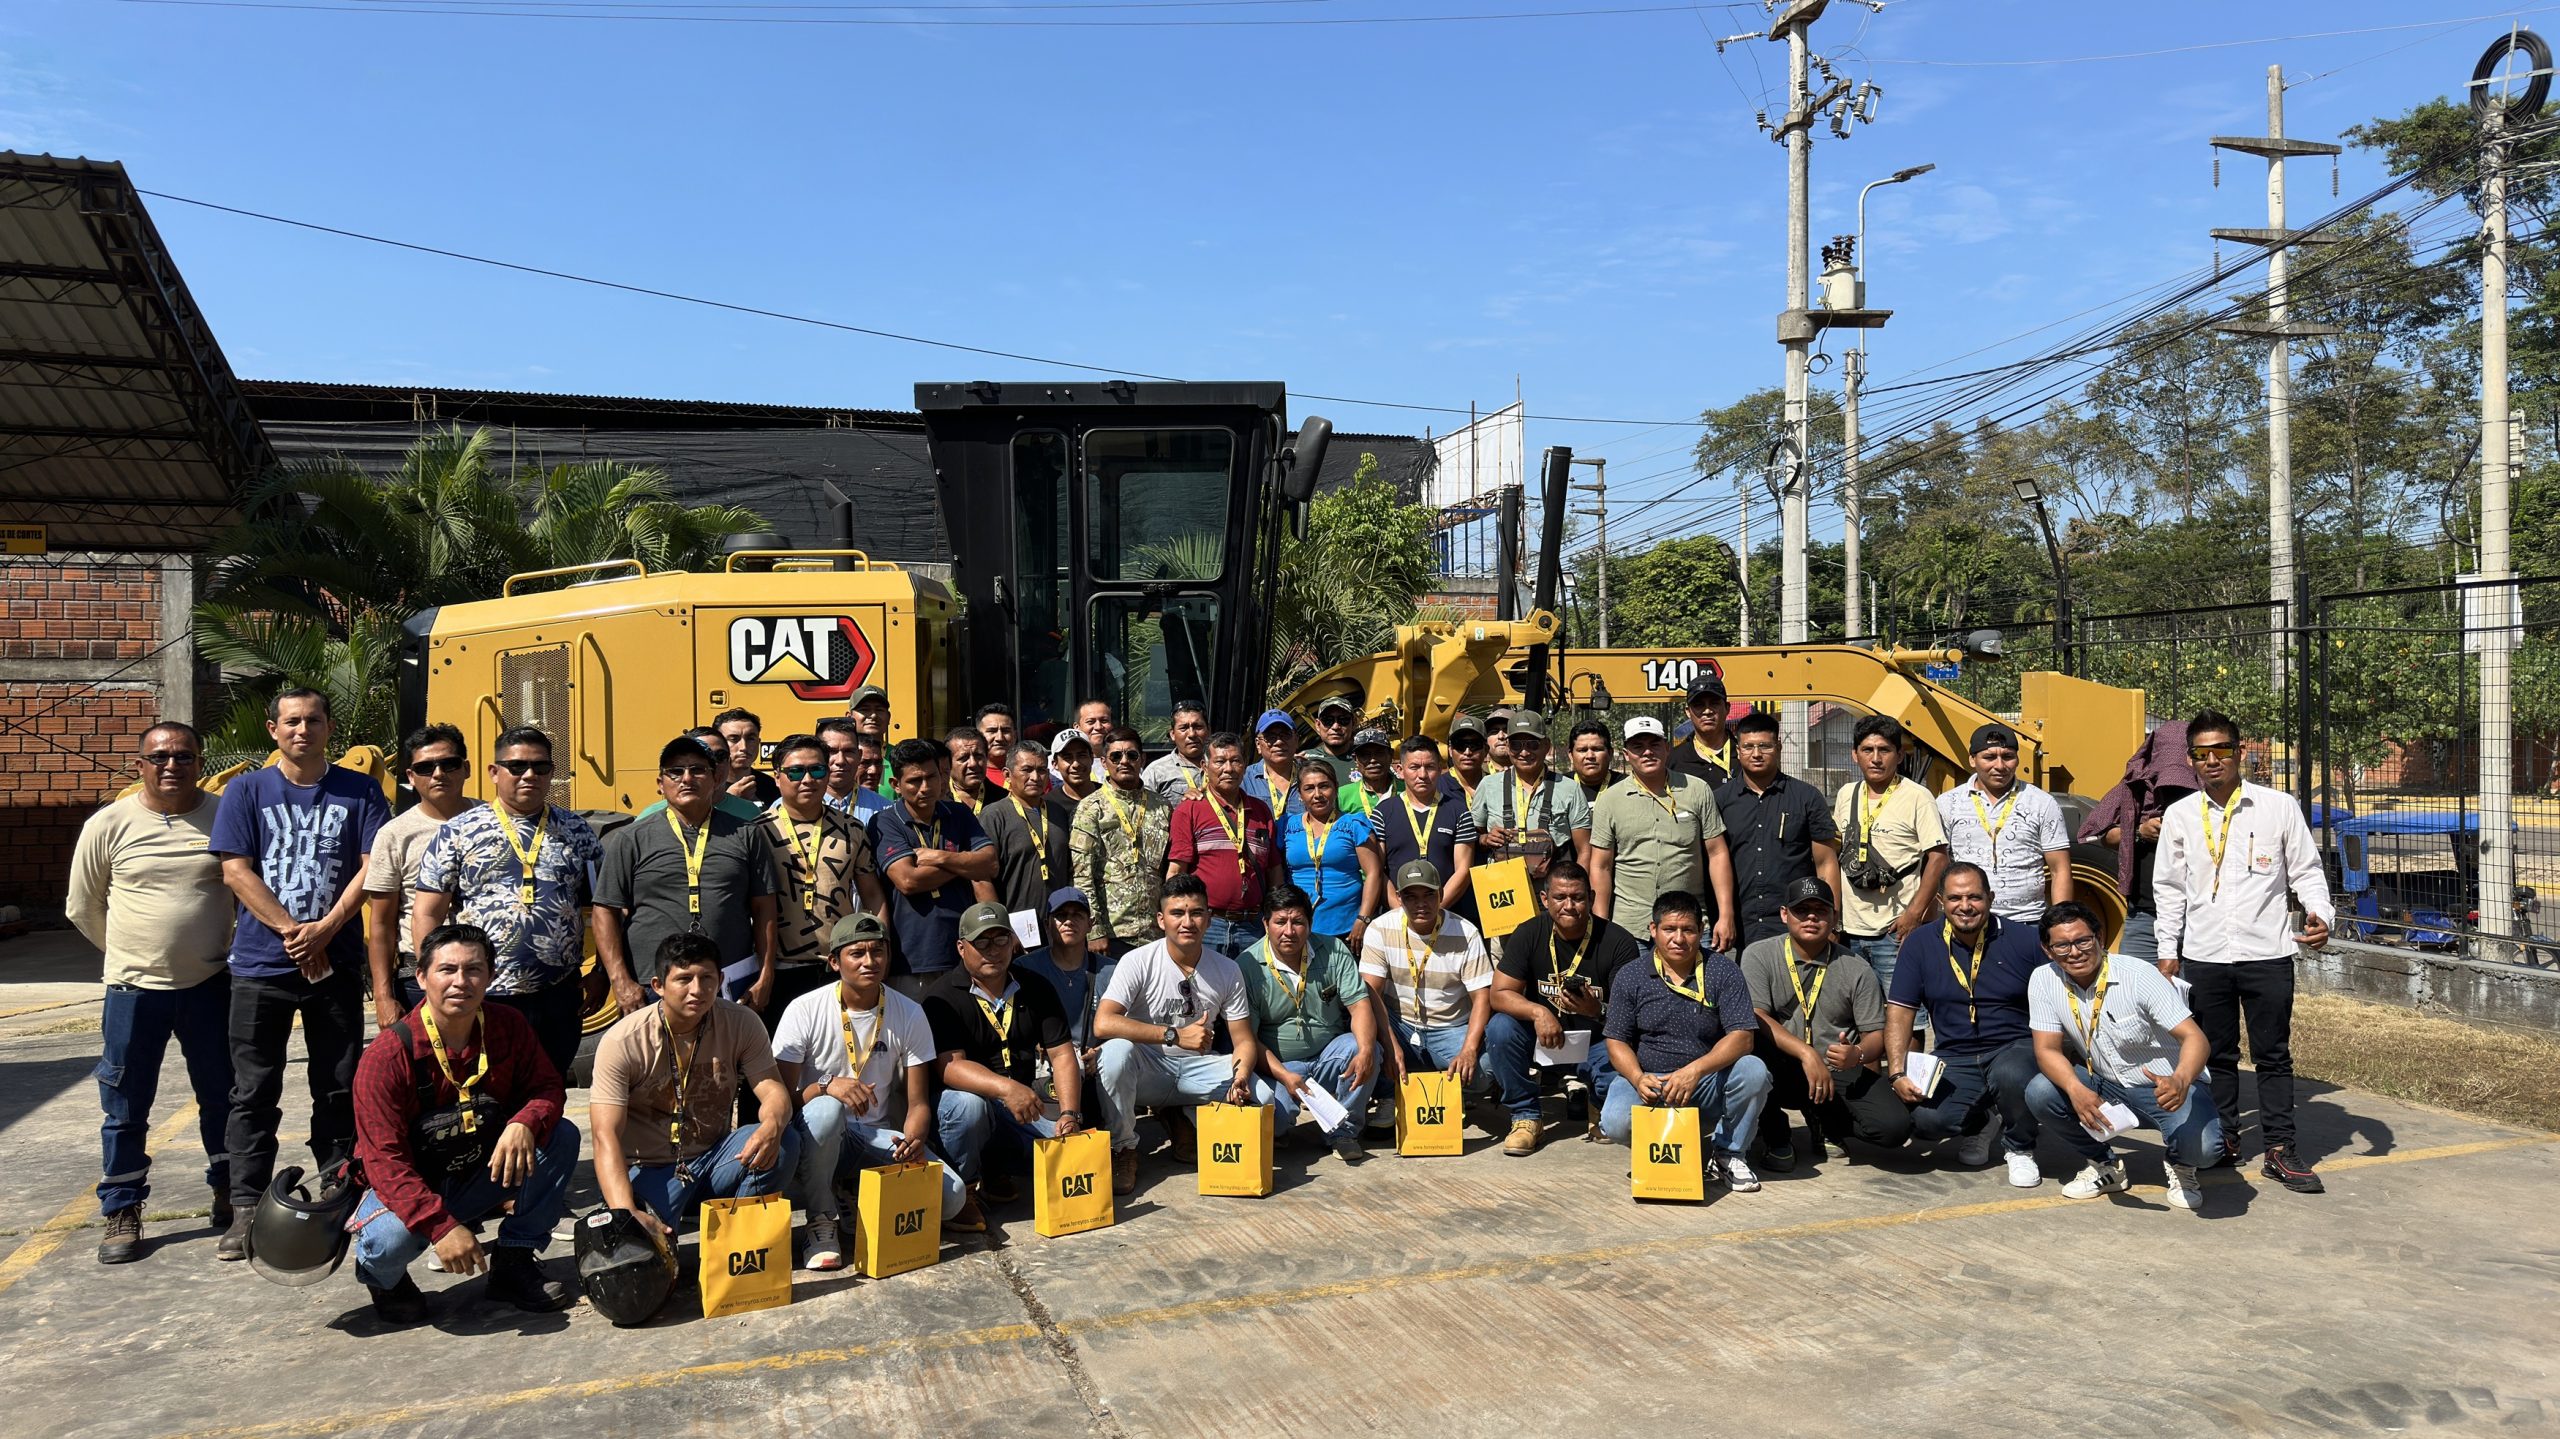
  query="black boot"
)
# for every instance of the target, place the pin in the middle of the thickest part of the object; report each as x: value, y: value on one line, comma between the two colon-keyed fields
x: 516, y: 1277
x: 399, y: 1306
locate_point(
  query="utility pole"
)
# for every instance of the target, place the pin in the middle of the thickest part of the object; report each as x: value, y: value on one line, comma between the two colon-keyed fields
x: 1845, y: 293
x: 1599, y: 512
x: 2279, y: 331
x: 1742, y: 557
x: 1841, y: 103
x: 2498, y: 112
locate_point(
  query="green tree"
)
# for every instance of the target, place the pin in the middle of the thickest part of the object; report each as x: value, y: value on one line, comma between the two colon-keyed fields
x: 1678, y: 593
x: 311, y: 586
x: 1357, y: 573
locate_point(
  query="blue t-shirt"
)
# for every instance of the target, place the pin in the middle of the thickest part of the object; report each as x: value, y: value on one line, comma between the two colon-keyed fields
x: 1074, y: 987
x: 308, y: 841
x: 1335, y: 885
x: 1924, y: 979
x: 927, y: 925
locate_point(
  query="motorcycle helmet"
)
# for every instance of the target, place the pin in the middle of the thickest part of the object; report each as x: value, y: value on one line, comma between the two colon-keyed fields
x: 299, y: 1235
x: 624, y: 1266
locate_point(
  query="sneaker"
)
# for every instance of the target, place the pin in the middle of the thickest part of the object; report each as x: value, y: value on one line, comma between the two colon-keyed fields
x: 2288, y: 1169
x: 221, y: 1210
x: 516, y: 1278
x: 1974, y: 1150
x: 2100, y: 1177
x: 1349, y: 1150
x: 2023, y: 1172
x: 122, y: 1243
x: 1714, y: 1172
x: 1778, y: 1156
x: 2186, y: 1190
x: 1738, y: 1176
x: 971, y: 1219
x: 1523, y: 1140
x: 401, y: 1305
x: 1124, y: 1172
x: 826, y: 1246
x: 2230, y: 1154
x: 234, y: 1243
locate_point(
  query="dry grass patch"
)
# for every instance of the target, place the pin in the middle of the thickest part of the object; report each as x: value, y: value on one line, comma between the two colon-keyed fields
x: 2493, y: 1074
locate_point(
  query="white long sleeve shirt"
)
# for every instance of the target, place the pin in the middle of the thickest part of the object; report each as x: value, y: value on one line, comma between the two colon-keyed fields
x: 2232, y: 908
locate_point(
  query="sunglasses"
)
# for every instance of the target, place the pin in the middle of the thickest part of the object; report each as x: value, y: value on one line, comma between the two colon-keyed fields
x: 2208, y: 751
x: 437, y: 766
x: 522, y: 767
x: 172, y: 759
x: 1118, y: 755
x: 804, y: 771
x: 686, y: 773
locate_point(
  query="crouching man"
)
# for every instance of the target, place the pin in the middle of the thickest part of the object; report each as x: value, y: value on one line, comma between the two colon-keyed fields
x: 457, y: 1115
x: 666, y: 1085
x: 994, y: 1022
x: 2112, y: 1031
x: 1680, y: 1033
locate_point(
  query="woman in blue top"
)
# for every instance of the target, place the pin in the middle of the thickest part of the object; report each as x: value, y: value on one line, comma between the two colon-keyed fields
x: 1333, y: 857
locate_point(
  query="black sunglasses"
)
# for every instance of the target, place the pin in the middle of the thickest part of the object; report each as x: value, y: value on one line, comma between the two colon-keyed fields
x: 522, y: 767
x: 1124, y: 754
x: 437, y: 766
x: 172, y: 759
x: 804, y: 771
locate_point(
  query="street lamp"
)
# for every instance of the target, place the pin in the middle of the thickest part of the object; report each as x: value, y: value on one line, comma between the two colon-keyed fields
x: 2032, y: 496
x: 1856, y: 373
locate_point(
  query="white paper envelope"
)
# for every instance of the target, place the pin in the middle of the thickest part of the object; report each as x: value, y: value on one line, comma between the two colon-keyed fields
x: 1026, y: 928
x: 2120, y: 1120
x: 1924, y: 1070
x: 1575, y: 1049
x: 1327, y: 1110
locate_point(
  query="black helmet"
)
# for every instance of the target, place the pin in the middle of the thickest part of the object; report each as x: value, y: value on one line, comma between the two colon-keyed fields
x: 625, y: 1266
x: 299, y: 1235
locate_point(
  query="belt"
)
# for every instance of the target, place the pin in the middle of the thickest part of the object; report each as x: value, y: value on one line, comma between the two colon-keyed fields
x: 1235, y: 914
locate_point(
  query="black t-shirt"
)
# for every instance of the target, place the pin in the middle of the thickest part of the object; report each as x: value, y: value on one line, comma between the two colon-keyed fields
x: 1685, y: 759
x: 1531, y: 954
x: 1037, y: 1022
x: 1771, y: 837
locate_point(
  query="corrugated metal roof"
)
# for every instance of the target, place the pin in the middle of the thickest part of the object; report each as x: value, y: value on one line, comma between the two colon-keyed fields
x: 121, y: 426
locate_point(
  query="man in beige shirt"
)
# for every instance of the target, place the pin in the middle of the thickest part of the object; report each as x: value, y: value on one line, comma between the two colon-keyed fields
x: 1893, y: 849
x: 438, y: 763
x: 145, y: 890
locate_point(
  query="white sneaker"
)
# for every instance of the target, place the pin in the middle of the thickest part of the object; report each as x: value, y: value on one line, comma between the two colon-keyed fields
x: 1974, y: 1150
x: 2186, y: 1191
x: 825, y: 1249
x: 1738, y: 1176
x: 2103, y: 1177
x: 2023, y: 1173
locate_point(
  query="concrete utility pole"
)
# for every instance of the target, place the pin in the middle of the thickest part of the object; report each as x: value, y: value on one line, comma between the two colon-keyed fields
x: 2280, y: 332
x: 1599, y: 512
x: 1742, y: 558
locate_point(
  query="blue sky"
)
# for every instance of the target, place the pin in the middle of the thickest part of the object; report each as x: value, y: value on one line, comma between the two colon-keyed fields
x: 1425, y: 213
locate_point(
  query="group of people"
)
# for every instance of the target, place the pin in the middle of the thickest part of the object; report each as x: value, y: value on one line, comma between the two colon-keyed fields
x: 844, y: 951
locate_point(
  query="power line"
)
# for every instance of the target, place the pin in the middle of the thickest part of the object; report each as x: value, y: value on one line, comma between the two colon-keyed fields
x: 2213, y: 44
x: 446, y: 7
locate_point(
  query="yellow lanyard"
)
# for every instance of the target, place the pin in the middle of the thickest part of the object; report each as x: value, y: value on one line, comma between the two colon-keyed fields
x: 2216, y: 843
x: 2097, y: 1013
x: 1130, y: 827
x: 1670, y: 803
x: 683, y: 1076
x: 1964, y: 976
x: 1555, y: 960
x: 1867, y: 817
x: 999, y: 1018
x: 1282, y: 975
x: 525, y: 855
x: 1417, y: 967
x: 1721, y: 756
x: 1235, y: 833
x: 1421, y: 831
x: 961, y: 796
x: 1039, y: 837
x: 692, y: 857
x: 1697, y: 976
x: 1319, y: 838
x: 2007, y: 804
x: 856, y: 1056
x: 462, y: 1087
x: 807, y: 850
x: 1805, y: 999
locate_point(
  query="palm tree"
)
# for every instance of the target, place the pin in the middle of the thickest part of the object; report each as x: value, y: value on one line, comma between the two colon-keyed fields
x: 312, y: 585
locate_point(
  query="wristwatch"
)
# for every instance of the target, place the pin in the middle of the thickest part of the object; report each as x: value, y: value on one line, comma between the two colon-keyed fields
x: 1075, y: 1114
x: 1171, y: 1034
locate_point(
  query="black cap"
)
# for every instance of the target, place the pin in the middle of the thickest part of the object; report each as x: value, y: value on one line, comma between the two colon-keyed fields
x: 1992, y: 736
x: 1707, y: 686
x: 1805, y: 890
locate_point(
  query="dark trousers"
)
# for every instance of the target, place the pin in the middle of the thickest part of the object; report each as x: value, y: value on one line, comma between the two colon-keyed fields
x: 262, y: 1012
x: 556, y: 1012
x: 1862, y: 1105
x: 1976, y: 1082
x: 135, y: 1031
x: 2258, y: 992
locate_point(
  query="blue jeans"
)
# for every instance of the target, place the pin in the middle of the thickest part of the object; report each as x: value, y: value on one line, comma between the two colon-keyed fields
x: 1728, y: 1104
x: 967, y: 1124
x: 134, y: 1036
x: 2137, y: 940
x: 1880, y: 951
x: 1510, y: 1046
x: 673, y: 1192
x: 1328, y: 1068
x: 2192, y: 1136
x: 1134, y: 1076
x: 1975, y: 1082
x: 385, y: 1247
x: 832, y: 1144
x: 1232, y: 937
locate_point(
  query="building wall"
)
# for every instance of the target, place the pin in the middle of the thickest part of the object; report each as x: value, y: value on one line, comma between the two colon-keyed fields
x: 85, y: 665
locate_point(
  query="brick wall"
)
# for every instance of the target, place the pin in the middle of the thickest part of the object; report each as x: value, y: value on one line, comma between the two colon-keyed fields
x: 68, y: 718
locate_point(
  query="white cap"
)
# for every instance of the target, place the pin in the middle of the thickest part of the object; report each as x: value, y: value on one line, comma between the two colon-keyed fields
x: 1058, y: 742
x: 1643, y: 724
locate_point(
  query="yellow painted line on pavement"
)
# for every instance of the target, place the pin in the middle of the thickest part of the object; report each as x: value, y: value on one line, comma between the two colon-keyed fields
x: 1242, y: 1303
x: 49, y: 1237
x: 41, y: 1008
